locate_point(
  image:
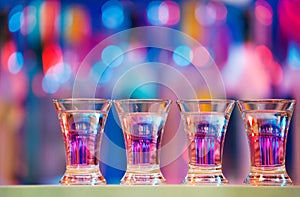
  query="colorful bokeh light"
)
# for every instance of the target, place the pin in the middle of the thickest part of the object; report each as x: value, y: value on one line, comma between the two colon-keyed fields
x: 294, y: 56
x: 201, y: 56
x: 169, y: 13
x: 52, y: 55
x: 50, y: 83
x: 8, y: 49
x: 112, y: 14
x: 76, y: 28
x: 112, y: 56
x: 15, y: 21
x: 55, y: 77
x: 263, y: 12
x: 152, y: 13
x: 49, y: 21
x: 163, y: 13
x: 44, y: 44
x: 210, y: 13
x: 15, y: 62
x: 98, y: 75
x: 30, y: 20
x: 183, y: 55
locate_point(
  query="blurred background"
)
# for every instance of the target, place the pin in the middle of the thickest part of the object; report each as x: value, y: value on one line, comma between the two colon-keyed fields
x: 254, y: 44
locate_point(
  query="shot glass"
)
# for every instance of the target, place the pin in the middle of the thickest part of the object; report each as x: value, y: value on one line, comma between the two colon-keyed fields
x: 267, y: 123
x: 142, y: 122
x: 82, y: 123
x: 205, y: 123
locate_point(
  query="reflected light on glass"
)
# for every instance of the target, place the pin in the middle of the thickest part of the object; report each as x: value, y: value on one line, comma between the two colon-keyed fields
x: 183, y: 55
x: 112, y: 14
x: 15, y: 62
x: 112, y: 56
x: 263, y: 12
x: 29, y: 21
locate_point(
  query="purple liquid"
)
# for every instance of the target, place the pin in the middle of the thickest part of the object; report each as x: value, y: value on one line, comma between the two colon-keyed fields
x: 82, y: 134
x: 142, y: 150
x: 81, y: 148
x: 206, y: 137
x: 267, y: 149
x: 267, y: 134
x: 142, y: 133
x: 203, y: 150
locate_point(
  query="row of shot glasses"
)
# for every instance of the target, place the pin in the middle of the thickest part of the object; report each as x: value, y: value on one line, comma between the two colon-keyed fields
x: 205, y: 122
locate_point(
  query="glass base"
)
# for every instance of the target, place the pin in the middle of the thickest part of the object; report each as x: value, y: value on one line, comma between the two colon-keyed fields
x: 271, y: 176
x: 83, y: 176
x: 143, y: 179
x: 205, y: 175
x: 193, y: 179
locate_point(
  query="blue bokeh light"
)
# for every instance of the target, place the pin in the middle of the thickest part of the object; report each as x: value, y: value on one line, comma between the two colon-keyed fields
x: 55, y: 77
x: 112, y: 56
x: 112, y: 14
x: 98, y: 75
x: 183, y: 55
x: 15, y: 62
x: 15, y: 21
x: 50, y: 83
x: 293, y: 56
x: 153, y: 12
x: 15, y: 18
x: 63, y: 71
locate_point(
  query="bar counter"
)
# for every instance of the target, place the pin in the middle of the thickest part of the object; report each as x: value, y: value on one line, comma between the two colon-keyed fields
x: 147, y: 191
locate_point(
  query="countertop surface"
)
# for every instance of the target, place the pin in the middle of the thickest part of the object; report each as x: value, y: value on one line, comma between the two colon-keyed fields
x: 145, y: 191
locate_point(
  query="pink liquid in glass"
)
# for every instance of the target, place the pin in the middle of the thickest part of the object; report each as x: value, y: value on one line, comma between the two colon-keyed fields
x: 82, y: 135
x: 267, y: 132
x: 206, y: 133
x: 142, y: 133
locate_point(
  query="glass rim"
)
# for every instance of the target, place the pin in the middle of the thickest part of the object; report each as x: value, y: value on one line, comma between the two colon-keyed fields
x: 150, y: 100
x: 281, y: 100
x: 205, y: 100
x: 70, y: 100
